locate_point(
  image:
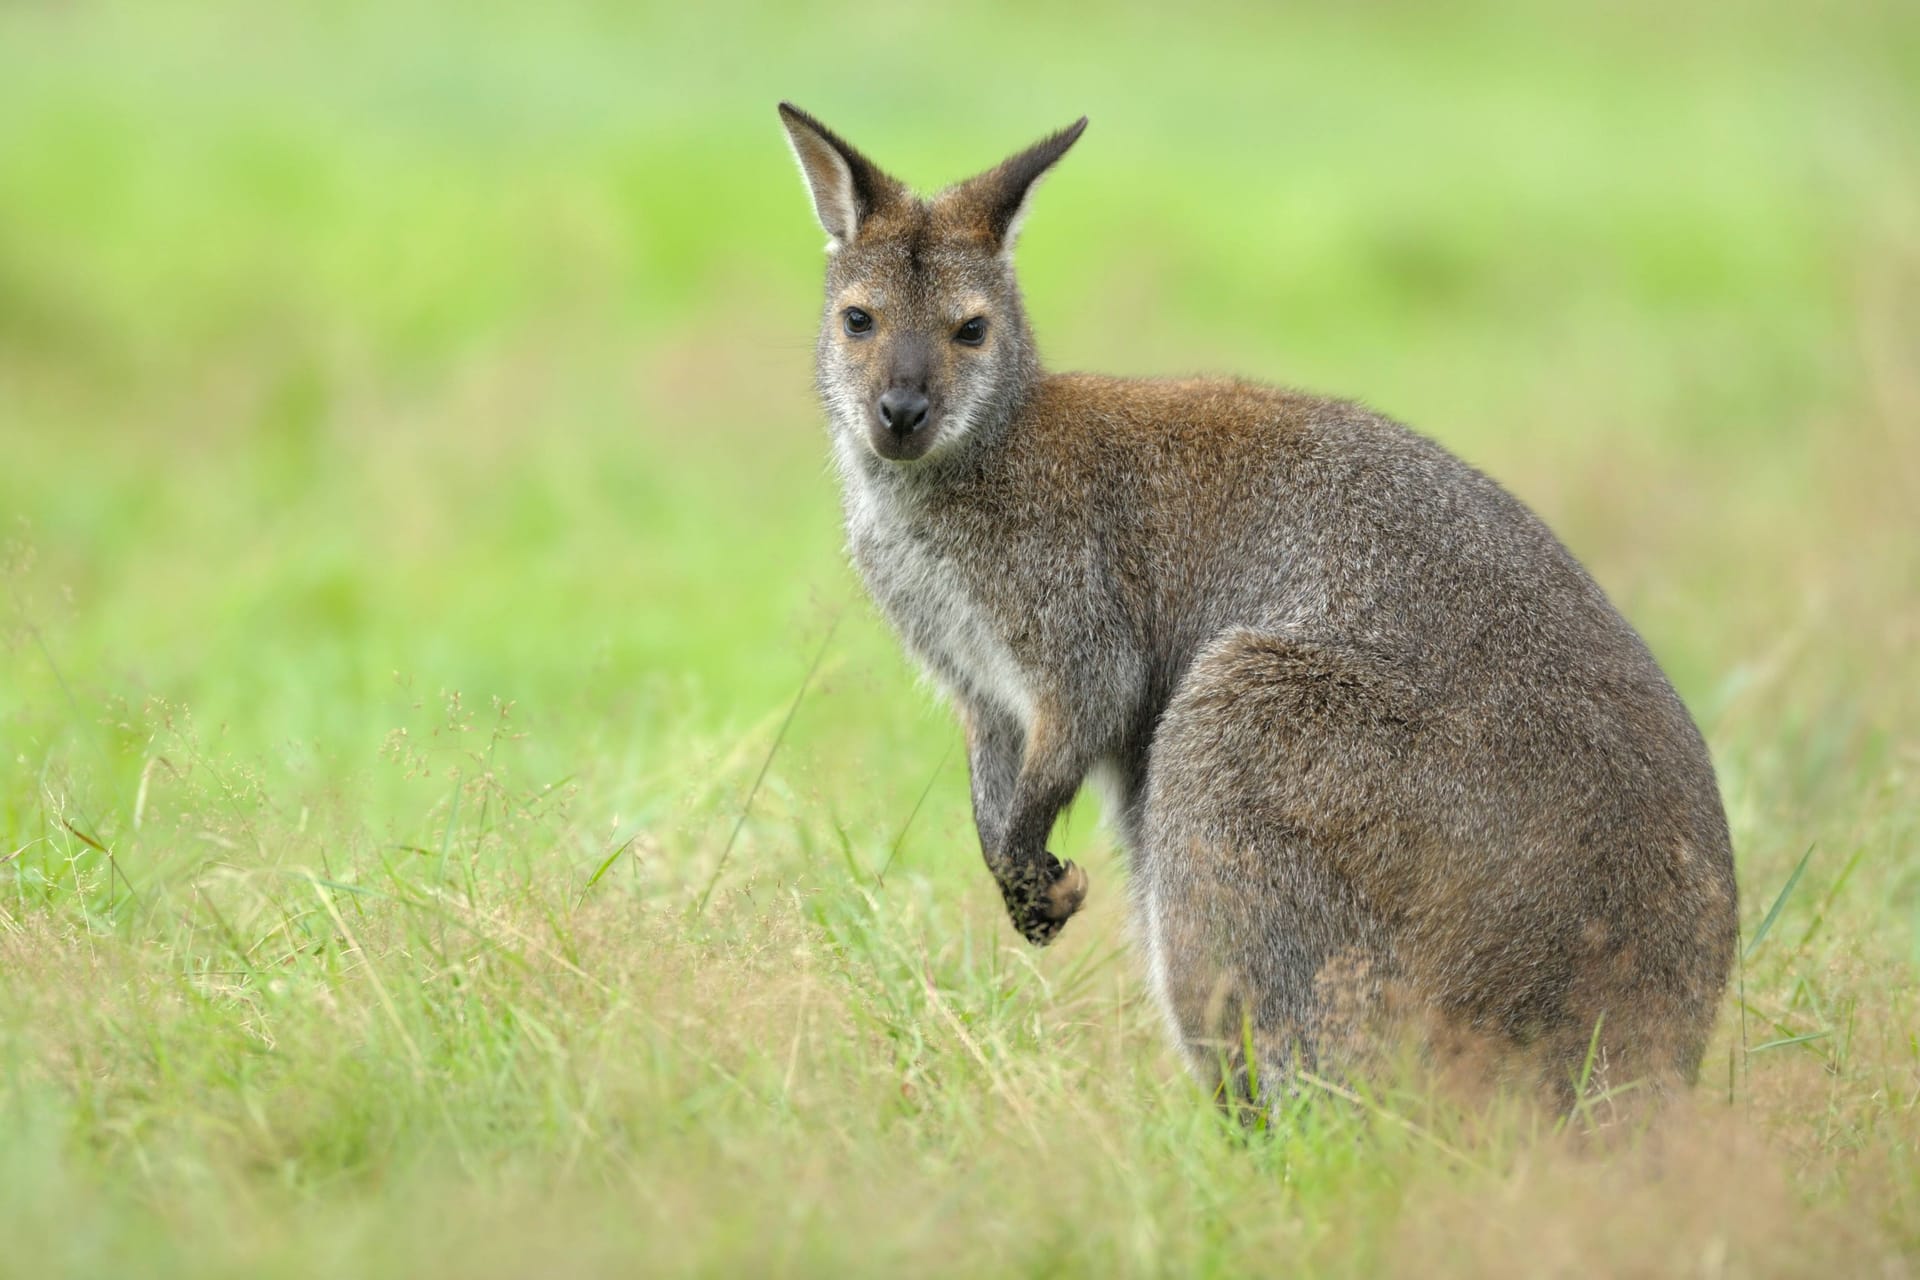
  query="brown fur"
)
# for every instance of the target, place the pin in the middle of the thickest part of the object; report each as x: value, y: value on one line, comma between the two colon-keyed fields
x: 1376, y: 743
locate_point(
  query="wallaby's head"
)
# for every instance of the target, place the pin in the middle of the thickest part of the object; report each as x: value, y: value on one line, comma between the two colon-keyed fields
x: 923, y: 341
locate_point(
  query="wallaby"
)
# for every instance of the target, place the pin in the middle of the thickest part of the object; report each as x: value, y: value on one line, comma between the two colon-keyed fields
x: 1373, y: 740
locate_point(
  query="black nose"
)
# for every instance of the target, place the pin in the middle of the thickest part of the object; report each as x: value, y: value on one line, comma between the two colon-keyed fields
x: 902, y: 410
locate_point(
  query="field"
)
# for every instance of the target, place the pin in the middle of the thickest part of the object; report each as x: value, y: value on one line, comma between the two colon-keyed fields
x: 458, y: 814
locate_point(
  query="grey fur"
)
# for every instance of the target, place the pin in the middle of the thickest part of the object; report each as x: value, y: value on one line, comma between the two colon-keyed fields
x: 1381, y: 752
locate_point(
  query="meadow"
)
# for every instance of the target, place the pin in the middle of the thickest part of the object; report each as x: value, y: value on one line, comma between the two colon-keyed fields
x: 459, y: 815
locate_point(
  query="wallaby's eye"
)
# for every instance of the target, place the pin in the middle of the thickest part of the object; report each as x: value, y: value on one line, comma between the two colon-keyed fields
x: 973, y: 332
x: 859, y: 323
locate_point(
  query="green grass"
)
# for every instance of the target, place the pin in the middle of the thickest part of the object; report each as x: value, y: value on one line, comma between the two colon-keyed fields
x: 417, y: 532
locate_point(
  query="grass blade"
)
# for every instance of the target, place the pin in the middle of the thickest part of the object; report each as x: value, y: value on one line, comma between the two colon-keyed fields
x: 898, y: 840
x: 1790, y: 1040
x: 1773, y: 912
x: 700, y: 907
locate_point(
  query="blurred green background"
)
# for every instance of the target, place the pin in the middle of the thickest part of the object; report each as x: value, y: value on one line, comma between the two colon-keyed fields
x: 365, y: 368
x: 472, y: 345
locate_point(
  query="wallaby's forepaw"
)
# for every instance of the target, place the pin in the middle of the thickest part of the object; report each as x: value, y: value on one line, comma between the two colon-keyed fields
x: 1040, y: 904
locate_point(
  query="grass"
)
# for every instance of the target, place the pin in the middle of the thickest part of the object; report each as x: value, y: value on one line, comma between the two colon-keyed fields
x: 458, y: 815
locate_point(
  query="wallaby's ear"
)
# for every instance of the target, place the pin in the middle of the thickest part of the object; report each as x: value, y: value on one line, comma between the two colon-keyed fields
x: 996, y: 201
x: 847, y: 187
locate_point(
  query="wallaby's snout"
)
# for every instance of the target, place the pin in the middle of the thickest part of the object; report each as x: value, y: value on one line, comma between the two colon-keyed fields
x: 905, y: 389
x: 903, y: 426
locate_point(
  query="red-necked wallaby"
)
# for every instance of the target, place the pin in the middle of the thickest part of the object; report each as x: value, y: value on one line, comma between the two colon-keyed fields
x: 1372, y: 738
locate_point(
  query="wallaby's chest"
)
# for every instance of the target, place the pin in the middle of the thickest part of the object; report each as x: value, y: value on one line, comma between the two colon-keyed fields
x: 939, y: 609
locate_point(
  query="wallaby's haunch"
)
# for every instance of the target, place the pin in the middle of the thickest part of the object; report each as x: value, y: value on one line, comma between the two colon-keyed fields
x: 1376, y: 744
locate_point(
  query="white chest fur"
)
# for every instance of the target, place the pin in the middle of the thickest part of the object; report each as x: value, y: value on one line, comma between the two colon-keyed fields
x: 924, y: 594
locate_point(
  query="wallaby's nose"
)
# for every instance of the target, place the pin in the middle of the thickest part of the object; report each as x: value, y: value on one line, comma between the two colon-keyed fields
x: 903, y: 410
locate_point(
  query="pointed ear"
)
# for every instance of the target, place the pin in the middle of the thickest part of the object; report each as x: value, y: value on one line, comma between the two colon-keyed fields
x: 996, y: 201
x: 847, y: 187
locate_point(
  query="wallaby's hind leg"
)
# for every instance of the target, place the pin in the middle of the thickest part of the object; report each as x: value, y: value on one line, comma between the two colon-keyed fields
x: 1328, y: 845
x: 1256, y: 937
x: 1261, y: 962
